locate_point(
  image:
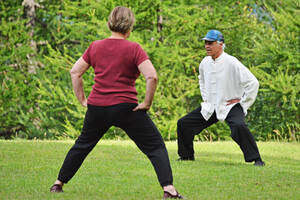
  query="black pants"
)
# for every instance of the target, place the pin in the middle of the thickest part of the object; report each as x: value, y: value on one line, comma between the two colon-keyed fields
x: 193, y: 123
x: 138, y: 126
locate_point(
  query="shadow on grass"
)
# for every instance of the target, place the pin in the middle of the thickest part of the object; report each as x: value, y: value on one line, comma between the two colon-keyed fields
x: 237, y: 159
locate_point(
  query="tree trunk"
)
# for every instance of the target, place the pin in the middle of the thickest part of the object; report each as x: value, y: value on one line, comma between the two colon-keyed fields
x: 159, y: 23
x: 29, y: 12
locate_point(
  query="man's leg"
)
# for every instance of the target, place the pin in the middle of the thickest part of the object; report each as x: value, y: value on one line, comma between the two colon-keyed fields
x: 241, y: 134
x: 187, y: 127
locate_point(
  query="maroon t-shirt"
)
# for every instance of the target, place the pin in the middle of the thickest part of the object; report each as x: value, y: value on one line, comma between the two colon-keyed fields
x: 115, y: 64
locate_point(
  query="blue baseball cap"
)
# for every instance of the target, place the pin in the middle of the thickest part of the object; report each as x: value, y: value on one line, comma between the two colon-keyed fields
x: 214, y: 35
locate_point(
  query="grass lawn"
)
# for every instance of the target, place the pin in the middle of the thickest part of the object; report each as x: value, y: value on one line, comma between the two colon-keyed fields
x: 117, y: 170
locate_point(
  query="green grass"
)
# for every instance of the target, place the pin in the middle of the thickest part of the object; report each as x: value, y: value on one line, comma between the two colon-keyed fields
x: 118, y: 170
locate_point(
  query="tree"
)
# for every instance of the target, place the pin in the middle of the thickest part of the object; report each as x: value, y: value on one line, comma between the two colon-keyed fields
x: 40, y: 40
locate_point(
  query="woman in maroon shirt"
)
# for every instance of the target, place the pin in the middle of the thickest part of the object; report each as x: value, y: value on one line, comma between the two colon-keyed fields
x: 117, y: 63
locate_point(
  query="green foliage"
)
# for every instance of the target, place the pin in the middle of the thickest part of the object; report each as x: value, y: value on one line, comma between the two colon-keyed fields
x: 264, y: 35
x: 278, y: 73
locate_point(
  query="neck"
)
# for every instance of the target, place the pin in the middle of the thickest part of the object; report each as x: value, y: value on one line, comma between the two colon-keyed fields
x: 116, y: 35
x: 214, y: 57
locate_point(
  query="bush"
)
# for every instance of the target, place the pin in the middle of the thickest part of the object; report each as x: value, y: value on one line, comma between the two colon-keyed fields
x: 263, y: 35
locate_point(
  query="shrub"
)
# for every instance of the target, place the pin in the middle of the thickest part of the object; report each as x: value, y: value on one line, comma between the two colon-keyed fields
x: 263, y: 35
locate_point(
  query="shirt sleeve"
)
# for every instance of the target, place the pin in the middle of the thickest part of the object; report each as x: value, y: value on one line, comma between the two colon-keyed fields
x: 86, y: 55
x: 202, y: 82
x: 250, y: 84
x: 140, y: 55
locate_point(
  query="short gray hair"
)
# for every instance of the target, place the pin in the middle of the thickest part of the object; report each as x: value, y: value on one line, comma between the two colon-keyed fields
x: 121, y: 20
x: 219, y: 42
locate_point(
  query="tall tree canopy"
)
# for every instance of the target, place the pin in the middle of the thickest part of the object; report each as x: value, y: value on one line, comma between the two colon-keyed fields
x: 40, y: 40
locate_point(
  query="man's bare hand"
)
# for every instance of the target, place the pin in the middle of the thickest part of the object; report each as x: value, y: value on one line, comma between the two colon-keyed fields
x: 232, y: 101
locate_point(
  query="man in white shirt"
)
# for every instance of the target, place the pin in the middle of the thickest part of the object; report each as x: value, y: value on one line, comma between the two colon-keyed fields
x: 228, y: 89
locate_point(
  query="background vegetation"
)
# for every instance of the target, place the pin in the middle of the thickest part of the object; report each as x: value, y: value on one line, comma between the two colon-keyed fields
x: 40, y: 40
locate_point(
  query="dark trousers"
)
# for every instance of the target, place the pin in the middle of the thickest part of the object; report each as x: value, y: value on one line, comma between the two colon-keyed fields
x: 193, y: 123
x: 138, y: 126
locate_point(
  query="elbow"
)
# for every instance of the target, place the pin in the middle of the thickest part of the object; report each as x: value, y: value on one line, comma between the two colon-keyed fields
x: 74, y: 73
x: 256, y: 84
x: 153, y: 78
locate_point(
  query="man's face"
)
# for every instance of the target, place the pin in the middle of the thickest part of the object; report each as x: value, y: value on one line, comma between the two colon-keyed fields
x: 213, y: 48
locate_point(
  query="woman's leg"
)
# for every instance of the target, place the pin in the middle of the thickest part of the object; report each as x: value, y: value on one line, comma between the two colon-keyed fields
x: 144, y: 133
x: 93, y: 129
x: 140, y: 128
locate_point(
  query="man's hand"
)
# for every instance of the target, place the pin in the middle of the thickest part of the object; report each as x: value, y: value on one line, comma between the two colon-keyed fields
x: 142, y: 106
x: 232, y: 101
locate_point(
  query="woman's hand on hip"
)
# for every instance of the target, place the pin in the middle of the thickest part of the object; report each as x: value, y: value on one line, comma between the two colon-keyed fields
x: 84, y: 103
x: 142, y: 106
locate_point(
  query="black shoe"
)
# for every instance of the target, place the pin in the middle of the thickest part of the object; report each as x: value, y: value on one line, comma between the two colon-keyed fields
x: 56, y: 188
x: 259, y: 163
x: 188, y: 158
x: 168, y: 195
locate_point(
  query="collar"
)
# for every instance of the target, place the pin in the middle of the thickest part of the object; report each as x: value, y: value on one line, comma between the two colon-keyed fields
x: 218, y: 58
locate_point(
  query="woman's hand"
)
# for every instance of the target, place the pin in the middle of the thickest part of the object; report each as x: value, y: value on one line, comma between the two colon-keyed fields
x: 142, y: 106
x: 147, y: 69
x: 76, y: 72
x: 84, y: 103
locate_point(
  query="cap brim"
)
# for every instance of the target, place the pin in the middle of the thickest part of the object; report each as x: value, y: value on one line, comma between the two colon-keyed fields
x: 208, y: 39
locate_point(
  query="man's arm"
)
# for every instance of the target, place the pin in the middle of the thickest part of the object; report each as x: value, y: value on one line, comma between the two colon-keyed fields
x: 202, y: 83
x: 250, y: 85
x: 76, y: 72
x: 149, y: 72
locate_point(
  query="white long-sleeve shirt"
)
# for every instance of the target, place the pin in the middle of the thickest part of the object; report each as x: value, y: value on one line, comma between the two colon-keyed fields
x: 223, y: 79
